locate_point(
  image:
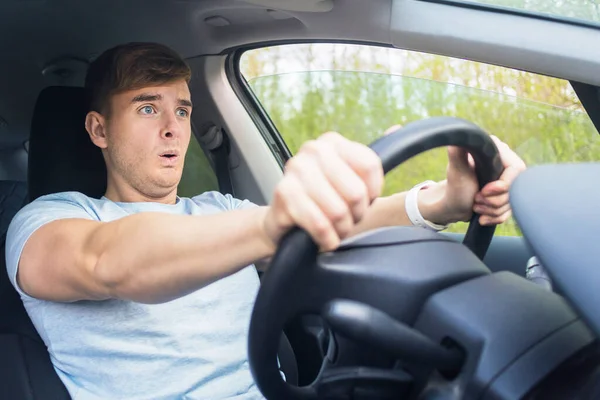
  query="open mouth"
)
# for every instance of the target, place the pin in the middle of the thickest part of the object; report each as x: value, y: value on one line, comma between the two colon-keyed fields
x: 169, y: 154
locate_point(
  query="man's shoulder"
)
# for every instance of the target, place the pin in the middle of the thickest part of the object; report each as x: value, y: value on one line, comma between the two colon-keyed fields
x: 59, y: 205
x: 75, y: 199
x: 64, y: 196
x: 209, y: 197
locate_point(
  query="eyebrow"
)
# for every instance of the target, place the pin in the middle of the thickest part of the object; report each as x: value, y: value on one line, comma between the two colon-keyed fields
x: 185, y: 102
x: 141, y: 98
x: 144, y: 97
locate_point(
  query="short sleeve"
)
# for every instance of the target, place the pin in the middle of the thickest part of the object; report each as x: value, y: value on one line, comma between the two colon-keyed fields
x: 237, y: 204
x: 30, y: 218
x: 225, y: 201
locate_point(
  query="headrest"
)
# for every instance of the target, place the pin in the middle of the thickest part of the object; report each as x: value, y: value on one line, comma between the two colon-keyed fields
x: 61, y: 155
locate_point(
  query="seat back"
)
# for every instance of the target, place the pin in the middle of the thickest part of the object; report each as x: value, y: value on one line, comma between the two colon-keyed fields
x: 13, y: 196
x: 25, y: 369
x: 61, y: 158
x: 61, y: 155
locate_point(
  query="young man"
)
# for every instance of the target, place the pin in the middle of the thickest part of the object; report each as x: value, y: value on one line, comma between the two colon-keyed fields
x: 142, y: 294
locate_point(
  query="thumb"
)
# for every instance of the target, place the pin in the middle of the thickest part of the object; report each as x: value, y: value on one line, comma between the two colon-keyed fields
x: 391, y: 129
x: 458, y: 159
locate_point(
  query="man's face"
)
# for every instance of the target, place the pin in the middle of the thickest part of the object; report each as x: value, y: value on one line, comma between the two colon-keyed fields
x: 147, y: 135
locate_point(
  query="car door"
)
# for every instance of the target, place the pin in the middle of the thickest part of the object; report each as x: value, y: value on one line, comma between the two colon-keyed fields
x: 303, y: 90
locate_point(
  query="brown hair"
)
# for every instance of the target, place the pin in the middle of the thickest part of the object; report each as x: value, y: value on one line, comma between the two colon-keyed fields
x: 131, y: 66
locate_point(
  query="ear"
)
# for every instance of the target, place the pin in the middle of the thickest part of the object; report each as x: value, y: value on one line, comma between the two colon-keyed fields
x: 95, y: 125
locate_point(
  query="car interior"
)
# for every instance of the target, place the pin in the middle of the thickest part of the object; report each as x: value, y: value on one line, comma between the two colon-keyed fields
x: 468, y: 328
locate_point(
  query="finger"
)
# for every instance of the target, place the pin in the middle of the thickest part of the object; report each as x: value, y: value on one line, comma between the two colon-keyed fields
x: 348, y: 184
x: 306, y: 214
x: 487, y: 220
x: 510, y: 174
x: 493, y: 212
x: 323, y: 191
x: 458, y: 159
x: 493, y: 201
x: 345, y: 180
x: 391, y: 129
x: 471, y: 161
x: 361, y: 159
x: 513, y: 164
x: 494, y: 188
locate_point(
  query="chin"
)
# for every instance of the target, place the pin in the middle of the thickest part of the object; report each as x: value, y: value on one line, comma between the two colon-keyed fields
x: 168, y: 179
x: 159, y: 192
x: 165, y: 186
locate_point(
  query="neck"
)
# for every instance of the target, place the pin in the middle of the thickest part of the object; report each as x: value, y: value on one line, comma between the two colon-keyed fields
x: 125, y: 193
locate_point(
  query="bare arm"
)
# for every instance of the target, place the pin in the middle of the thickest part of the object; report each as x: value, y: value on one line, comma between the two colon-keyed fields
x: 147, y: 257
x: 155, y: 257
x: 328, y: 190
x: 390, y: 211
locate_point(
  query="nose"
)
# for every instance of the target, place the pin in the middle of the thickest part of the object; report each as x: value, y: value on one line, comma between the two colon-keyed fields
x: 171, y: 127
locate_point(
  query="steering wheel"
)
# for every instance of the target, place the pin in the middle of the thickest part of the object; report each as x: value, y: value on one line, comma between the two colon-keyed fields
x: 350, y: 299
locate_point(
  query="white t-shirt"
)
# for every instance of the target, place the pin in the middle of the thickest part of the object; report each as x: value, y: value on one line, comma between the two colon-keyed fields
x: 194, y: 347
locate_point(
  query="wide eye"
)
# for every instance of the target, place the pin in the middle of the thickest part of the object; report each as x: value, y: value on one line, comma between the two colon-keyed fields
x: 147, y: 110
x: 182, y: 112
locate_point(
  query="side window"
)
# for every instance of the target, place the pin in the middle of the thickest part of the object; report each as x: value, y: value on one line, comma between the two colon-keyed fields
x: 361, y: 90
x: 198, y: 175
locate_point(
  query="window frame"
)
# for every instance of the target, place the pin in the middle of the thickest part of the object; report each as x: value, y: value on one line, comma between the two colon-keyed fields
x: 250, y: 102
x: 589, y: 96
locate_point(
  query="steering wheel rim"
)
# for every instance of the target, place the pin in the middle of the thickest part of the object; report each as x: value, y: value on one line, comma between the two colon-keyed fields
x: 297, y: 249
x: 420, y: 136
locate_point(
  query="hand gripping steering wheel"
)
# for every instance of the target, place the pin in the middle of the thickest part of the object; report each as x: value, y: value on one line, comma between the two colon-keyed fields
x: 295, y: 281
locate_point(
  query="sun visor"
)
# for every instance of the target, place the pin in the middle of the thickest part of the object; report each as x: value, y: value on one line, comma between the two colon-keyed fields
x: 295, y: 5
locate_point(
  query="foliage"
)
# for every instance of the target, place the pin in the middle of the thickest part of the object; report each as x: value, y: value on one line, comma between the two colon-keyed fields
x: 360, y: 91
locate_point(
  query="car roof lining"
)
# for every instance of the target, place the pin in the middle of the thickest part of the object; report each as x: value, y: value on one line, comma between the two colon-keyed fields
x: 516, y: 41
x: 43, y: 31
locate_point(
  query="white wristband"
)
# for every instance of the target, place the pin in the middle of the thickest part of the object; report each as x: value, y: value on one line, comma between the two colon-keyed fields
x: 412, y: 209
